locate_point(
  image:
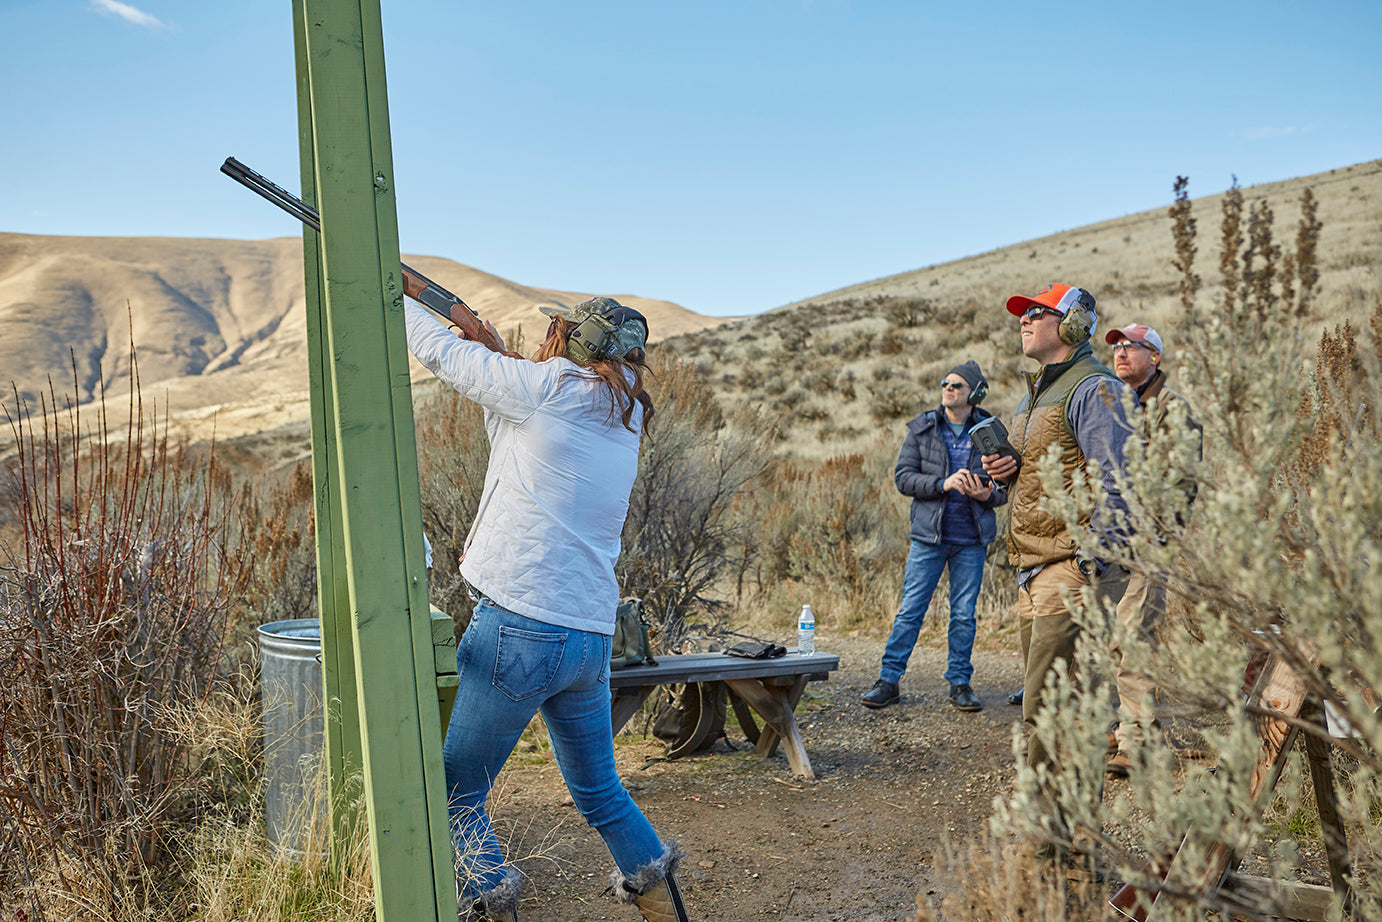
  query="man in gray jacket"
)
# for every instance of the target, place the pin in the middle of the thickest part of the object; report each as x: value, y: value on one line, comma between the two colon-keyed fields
x: 952, y: 526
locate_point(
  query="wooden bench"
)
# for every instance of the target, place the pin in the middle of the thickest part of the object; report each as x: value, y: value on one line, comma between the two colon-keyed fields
x: 769, y: 687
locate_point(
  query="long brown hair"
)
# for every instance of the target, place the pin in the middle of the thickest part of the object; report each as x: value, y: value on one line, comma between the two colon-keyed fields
x: 611, y: 373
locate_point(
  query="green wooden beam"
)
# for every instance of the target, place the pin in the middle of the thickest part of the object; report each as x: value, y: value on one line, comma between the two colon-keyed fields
x: 342, y: 726
x: 383, y: 623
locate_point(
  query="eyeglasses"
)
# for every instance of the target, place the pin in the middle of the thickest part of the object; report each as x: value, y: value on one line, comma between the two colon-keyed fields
x: 1036, y: 311
x: 952, y: 385
x: 1127, y: 344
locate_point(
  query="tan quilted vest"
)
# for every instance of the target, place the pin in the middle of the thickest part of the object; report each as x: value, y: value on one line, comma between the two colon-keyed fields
x: 1038, y: 537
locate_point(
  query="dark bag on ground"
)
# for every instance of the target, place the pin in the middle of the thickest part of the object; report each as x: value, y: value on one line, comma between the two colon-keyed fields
x: 691, y: 718
x: 630, y: 647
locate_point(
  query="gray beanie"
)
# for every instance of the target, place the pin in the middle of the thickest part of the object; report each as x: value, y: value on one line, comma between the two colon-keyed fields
x: 971, y: 373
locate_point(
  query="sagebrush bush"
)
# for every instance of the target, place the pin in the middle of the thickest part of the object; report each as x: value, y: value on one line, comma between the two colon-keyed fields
x: 1278, y: 557
x: 683, y: 541
x: 828, y: 534
x: 894, y: 401
x: 907, y: 312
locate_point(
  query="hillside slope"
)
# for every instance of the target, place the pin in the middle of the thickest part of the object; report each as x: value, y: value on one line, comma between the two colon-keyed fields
x: 848, y: 366
x: 219, y: 325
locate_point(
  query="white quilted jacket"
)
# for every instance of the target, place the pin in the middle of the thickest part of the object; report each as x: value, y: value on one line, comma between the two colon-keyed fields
x: 546, y: 537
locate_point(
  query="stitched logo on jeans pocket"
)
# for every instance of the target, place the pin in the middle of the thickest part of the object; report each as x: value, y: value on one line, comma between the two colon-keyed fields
x: 526, y: 661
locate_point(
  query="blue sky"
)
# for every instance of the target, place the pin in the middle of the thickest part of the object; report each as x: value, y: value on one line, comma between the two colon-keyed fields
x: 731, y: 157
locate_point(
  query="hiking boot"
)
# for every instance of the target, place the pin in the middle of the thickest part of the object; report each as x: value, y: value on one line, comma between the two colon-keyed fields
x: 964, y: 699
x: 662, y: 903
x: 1015, y: 699
x: 1118, y: 765
x: 882, y: 695
x: 653, y: 888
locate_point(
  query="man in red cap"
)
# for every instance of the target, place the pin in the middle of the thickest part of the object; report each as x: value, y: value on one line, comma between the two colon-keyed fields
x: 1074, y: 404
x: 1137, y: 352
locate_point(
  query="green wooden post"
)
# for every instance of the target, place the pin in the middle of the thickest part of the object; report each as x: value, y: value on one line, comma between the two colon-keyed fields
x: 377, y: 650
x: 342, y: 726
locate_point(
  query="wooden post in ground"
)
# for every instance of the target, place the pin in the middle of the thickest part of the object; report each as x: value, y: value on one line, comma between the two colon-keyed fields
x: 377, y: 651
x: 1283, y: 696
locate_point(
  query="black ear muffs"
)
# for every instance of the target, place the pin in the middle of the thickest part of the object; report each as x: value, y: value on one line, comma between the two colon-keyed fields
x: 1078, y: 322
x: 981, y: 390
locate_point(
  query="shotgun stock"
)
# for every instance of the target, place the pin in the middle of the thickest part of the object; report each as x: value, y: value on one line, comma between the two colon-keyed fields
x: 415, y: 285
x: 1134, y: 902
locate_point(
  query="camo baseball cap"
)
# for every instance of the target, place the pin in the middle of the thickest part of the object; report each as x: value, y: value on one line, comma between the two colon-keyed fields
x: 628, y: 327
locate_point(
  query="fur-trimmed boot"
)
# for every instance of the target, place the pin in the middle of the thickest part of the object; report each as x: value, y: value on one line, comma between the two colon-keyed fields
x: 653, y: 888
x: 663, y: 902
x: 497, y: 903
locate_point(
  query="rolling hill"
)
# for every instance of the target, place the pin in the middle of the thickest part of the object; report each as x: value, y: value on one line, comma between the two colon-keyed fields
x: 219, y: 325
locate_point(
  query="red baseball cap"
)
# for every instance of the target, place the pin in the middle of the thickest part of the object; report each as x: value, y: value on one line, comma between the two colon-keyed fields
x: 1137, y: 333
x: 1059, y: 298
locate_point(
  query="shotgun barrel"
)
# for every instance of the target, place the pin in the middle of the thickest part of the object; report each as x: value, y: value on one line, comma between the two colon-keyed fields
x: 432, y: 295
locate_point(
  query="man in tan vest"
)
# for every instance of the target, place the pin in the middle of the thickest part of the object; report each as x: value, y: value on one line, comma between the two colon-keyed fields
x: 1075, y: 404
x: 1137, y: 352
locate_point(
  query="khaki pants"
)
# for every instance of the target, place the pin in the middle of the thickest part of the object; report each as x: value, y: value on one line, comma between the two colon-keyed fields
x: 1141, y: 611
x: 1049, y: 633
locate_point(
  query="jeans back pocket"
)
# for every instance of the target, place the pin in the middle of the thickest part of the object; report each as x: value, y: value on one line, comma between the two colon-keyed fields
x: 526, y: 661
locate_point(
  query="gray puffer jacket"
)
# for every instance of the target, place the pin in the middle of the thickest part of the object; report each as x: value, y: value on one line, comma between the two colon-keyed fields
x: 922, y: 466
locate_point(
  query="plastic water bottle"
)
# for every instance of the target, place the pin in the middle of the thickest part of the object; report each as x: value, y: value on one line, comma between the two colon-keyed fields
x: 806, y: 632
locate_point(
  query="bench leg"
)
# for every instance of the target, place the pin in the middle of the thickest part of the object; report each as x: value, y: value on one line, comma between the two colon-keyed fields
x: 772, y: 703
x: 767, y: 742
x: 623, y: 706
x: 745, y: 715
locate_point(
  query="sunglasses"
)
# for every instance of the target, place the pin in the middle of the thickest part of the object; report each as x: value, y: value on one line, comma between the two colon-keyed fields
x: 1035, y: 312
x: 1127, y: 344
x: 952, y: 385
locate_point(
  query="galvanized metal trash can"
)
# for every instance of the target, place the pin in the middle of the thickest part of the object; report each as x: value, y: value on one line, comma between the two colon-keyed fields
x: 291, y: 682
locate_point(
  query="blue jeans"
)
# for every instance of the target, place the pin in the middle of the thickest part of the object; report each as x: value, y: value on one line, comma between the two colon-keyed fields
x: 925, y: 562
x: 509, y: 668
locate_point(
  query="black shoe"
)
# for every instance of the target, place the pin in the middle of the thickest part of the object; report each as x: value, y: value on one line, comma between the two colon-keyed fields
x: 1015, y: 699
x: 1118, y: 765
x: 882, y: 695
x: 963, y: 698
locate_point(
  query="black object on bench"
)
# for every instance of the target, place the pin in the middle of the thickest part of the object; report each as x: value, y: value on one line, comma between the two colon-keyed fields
x: 769, y: 687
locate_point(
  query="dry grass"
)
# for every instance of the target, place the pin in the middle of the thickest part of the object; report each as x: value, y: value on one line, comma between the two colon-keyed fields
x: 114, y: 602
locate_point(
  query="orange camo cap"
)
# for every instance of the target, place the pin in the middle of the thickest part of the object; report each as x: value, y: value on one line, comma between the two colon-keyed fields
x: 1059, y: 298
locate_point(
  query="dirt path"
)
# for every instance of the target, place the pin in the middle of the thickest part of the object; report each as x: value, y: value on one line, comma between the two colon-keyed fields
x: 856, y: 843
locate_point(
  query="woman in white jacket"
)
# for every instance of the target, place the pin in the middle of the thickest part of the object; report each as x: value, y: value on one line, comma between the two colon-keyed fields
x: 564, y: 431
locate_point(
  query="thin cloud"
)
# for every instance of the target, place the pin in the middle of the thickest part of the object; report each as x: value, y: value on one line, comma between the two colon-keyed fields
x: 128, y: 13
x: 1268, y: 132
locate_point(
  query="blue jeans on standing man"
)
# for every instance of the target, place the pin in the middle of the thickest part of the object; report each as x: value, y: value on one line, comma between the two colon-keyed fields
x: 925, y: 563
x: 509, y: 668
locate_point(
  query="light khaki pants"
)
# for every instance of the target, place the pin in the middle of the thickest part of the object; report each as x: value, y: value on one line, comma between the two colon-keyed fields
x: 1141, y: 611
x: 1049, y: 633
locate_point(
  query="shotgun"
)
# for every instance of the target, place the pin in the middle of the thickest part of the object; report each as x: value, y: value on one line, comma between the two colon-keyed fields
x: 415, y: 285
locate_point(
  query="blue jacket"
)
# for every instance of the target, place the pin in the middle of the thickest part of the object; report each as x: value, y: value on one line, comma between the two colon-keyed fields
x: 922, y: 466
